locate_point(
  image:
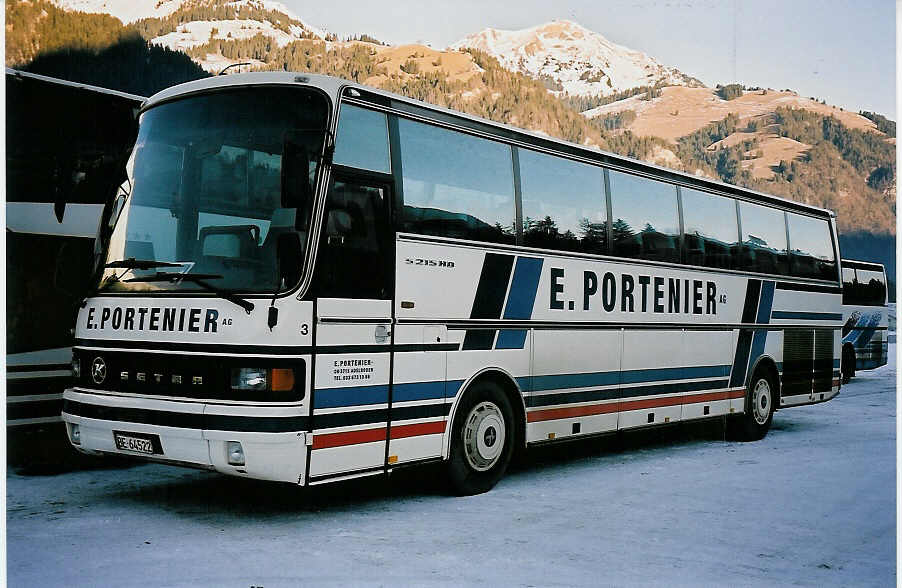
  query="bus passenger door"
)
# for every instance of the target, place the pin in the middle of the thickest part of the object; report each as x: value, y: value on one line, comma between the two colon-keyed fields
x: 352, y: 286
x: 418, y: 404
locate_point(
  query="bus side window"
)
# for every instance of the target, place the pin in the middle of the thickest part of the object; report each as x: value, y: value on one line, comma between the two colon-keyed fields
x: 849, y: 285
x: 362, y: 139
x: 456, y: 185
x: 763, y: 239
x: 711, y: 230
x: 563, y: 203
x: 353, y: 256
x: 646, y: 222
x: 871, y: 288
x: 812, y: 254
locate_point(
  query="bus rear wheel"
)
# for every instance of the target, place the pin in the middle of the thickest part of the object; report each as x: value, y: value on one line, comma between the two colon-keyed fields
x: 760, y: 402
x: 848, y: 364
x: 482, y: 440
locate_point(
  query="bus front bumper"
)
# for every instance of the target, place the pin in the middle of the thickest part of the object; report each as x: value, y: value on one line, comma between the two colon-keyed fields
x: 172, y: 432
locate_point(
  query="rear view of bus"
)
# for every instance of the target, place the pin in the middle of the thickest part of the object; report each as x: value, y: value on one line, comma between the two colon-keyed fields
x: 865, y: 317
x: 309, y: 280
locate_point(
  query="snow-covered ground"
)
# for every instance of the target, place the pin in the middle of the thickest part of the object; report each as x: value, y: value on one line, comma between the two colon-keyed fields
x: 813, y: 504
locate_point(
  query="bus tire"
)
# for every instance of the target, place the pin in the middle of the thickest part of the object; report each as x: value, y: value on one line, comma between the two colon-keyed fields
x: 760, y: 402
x: 482, y: 439
x: 848, y: 363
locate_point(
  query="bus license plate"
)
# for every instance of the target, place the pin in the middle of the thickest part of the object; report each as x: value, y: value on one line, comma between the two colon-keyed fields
x: 137, y: 443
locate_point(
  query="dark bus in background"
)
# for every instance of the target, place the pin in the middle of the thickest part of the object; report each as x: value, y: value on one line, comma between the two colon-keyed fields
x: 66, y: 147
x: 865, y: 316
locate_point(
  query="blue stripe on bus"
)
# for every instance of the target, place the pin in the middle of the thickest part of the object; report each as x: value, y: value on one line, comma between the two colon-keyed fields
x: 424, y: 390
x: 765, y: 305
x: 417, y: 391
x: 511, y: 339
x: 678, y: 373
x: 767, y: 302
x: 524, y: 286
x: 758, y: 341
x: 744, y: 341
x: 350, y: 396
x: 613, y: 378
x: 806, y: 316
x: 378, y: 394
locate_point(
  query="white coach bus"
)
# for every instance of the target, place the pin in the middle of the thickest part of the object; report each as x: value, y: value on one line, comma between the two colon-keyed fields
x: 865, y: 317
x: 310, y: 280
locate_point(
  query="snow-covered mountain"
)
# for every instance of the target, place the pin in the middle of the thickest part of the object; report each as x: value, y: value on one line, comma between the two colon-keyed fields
x: 201, y: 21
x: 573, y: 59
x: 125, y: 10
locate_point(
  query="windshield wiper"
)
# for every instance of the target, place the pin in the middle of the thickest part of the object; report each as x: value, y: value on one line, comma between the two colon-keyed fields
x: 198, y: 279
x: 132, y: 263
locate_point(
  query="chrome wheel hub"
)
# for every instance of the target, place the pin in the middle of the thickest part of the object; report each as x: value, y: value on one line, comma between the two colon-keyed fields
x: 484, y: 436
x: 761, y: 401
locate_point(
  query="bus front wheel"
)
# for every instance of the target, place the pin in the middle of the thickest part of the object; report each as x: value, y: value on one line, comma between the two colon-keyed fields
x: 761, y: 397
x: 482, y: 440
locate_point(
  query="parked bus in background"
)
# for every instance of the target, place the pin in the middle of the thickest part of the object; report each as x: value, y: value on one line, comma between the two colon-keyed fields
x: 864, y: 312
x: 310, y: 280
x: 66, y: 144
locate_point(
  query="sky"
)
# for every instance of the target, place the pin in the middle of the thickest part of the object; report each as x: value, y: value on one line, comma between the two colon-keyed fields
x: 840, y: 51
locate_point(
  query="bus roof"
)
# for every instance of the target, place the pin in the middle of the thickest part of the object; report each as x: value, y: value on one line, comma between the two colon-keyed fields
x: 15, y: 73
x: 334, y: 86
x: 867, y: 265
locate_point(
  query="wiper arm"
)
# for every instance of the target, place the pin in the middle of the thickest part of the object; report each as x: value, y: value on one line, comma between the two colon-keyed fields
x: 198, y: 279
x: 173, y: 277
x: 132, y: 263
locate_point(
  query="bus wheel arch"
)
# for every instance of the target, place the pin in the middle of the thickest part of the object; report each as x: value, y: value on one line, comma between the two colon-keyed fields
x: 489, y: 409
x: 761, y: 401
x: 847, y: 364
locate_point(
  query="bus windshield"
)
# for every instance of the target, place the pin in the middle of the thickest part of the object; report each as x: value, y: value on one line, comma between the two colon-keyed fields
x: 217, y: 185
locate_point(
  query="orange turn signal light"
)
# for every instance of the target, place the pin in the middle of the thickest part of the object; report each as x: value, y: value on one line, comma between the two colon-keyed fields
x: 282, y: 379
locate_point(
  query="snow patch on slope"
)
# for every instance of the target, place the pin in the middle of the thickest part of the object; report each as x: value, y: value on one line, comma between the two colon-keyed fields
x: 198, y: 32
x: 192, y: 34
x: 125, y: 10
x: 129, y: 11
x: 573, y: 59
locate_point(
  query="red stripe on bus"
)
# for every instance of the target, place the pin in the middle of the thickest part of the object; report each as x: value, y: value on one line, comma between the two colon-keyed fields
x: 712, y: 396
x: 327, y: 440
x: 572, y: 411
x: 577, y: 411
x: 402, y: 431
x: 650, y: 403
x: 348, y: 438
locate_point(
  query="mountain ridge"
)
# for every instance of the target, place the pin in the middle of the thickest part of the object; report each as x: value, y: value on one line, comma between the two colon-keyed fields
x: 741, y: 136
x: 572, y: 59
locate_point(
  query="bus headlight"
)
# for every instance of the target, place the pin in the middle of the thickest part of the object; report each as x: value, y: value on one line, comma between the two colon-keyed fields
x: 262, y: 379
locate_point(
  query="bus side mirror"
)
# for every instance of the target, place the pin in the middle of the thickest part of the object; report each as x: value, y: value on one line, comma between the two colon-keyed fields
x: 296, y: 188
x: 288, y: 255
